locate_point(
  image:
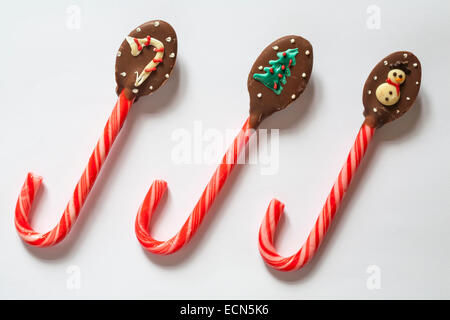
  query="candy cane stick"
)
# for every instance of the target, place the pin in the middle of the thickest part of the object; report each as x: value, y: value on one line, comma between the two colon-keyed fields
x: 82, y: 189
x: 130, y: 90
x: 207, y: 198
x: 287, y: 62
x: 323, y: 222
x: 380, y: 107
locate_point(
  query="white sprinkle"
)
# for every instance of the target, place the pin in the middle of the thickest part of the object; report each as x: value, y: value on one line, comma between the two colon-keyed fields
x: 374, y: 109
x: 259, y: 95
x: 405, y: 55
x: 307, y: 52
x: 168, y: 39
x: 293, y: 97
x: 408, y: 98
x: 398, y: 111
x: 167, y: 76
x: 119, y: 53
x: 151, y: 87
x: 275, y: 48
x: 123, y: 74
x: 172, y: 55
x: 135, y: 90
x: 375, y: 77
x: 260, y: 67
x: 417, y: 82
x: 292, y: 40
x: 385, y: 63
x: 138, y: 29
x: 369, y: 91
x: 303, y: 75
x: 415, y: 65
x: 156, y: 23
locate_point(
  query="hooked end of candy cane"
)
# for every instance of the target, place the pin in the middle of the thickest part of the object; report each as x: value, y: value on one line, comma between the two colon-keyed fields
x: 155, y: 192
x: 160, y: 184
x: 276, y: 209
x: 34, y: 177
x: 23, y: 207
x: 33, y: 182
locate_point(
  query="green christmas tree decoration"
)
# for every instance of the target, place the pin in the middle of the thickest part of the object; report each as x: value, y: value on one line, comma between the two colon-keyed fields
x: 276, y: 74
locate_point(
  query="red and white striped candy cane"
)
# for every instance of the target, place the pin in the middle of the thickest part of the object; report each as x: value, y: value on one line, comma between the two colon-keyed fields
x: 192, y: 224
x: 323, y: 222
x: 82, y: 189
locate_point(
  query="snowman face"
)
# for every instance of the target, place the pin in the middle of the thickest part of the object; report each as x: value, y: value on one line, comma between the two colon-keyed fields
x: 397, y: 76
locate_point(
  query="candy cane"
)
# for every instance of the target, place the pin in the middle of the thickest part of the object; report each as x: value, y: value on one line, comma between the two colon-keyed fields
x: 323, y: 222
x: 378, y: 110
x: 207, y: 198
x: 82, y: 189
x: 261, y: 106
x: 129, y: 90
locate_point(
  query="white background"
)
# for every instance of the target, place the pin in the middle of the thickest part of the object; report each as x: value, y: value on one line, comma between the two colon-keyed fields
x: 57, y: 88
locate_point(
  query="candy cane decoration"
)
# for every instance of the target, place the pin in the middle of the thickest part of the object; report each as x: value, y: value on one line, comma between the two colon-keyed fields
x: 207, y: 198
x: 323, y: 222
x: 82, y: 189
x: 136, y: 46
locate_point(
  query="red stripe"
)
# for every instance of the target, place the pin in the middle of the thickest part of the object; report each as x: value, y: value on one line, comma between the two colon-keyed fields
x: 30, y: 185
x: 138, y: 44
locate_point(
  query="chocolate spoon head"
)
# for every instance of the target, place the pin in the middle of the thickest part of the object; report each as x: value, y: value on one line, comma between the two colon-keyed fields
x: 391, y: 88
x: 278, y: 76
x: 146, y: 59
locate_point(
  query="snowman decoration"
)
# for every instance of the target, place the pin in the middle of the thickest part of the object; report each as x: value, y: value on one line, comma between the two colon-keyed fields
x: 388, y: 93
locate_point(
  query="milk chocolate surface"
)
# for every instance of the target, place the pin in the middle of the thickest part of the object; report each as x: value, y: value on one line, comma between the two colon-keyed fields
x: 129, y: 67
x: 377, y: 114
x: 263, y: 97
